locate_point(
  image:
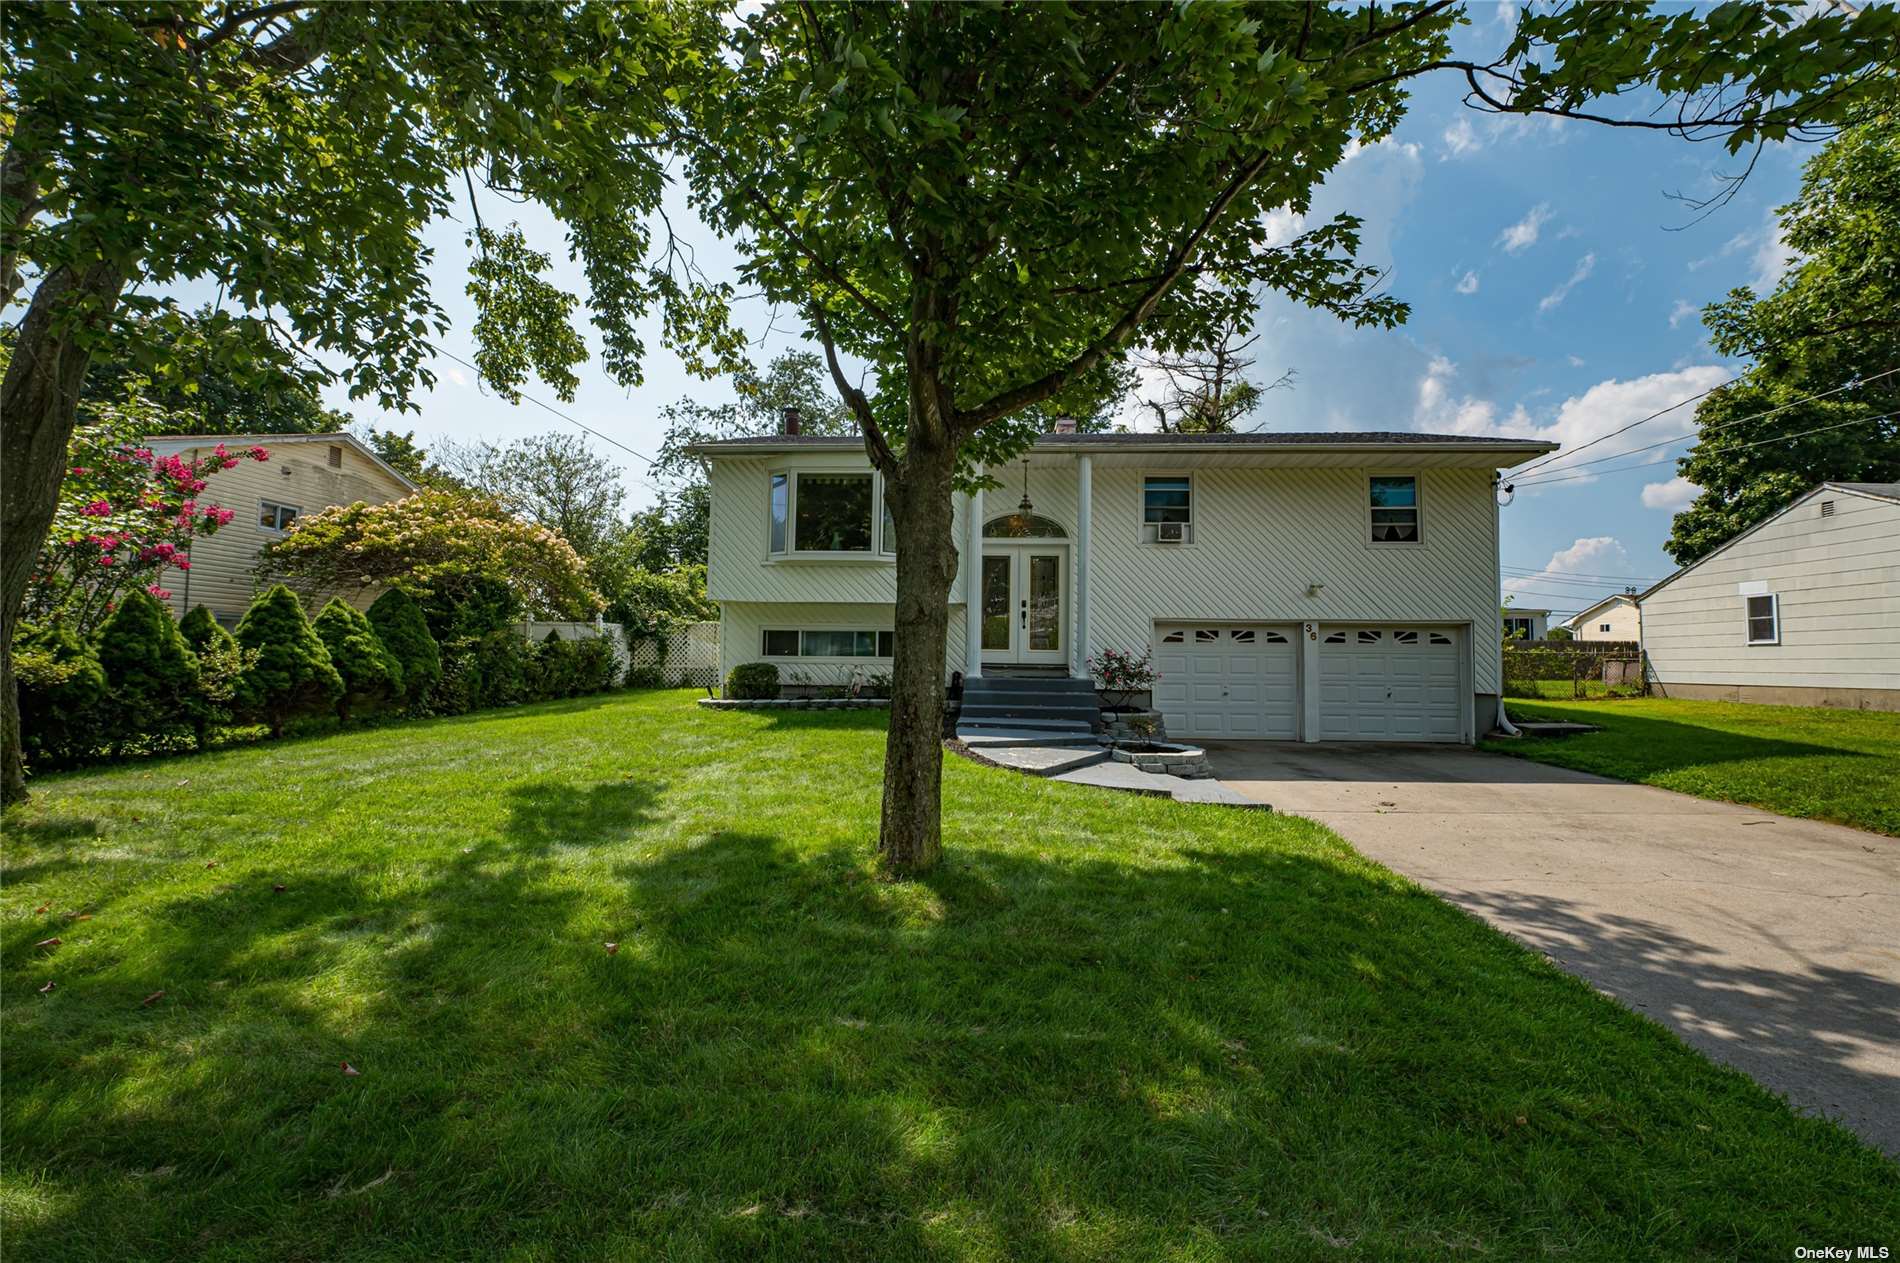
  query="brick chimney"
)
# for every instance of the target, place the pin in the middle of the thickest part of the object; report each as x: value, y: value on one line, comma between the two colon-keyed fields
x: 1065, y: 425
x: 788, y: 421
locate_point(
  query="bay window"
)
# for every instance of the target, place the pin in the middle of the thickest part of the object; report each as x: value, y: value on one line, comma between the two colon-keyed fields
x: 827, y: 514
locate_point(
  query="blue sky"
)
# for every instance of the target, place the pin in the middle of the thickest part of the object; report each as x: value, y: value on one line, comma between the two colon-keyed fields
x: 1555, y: 292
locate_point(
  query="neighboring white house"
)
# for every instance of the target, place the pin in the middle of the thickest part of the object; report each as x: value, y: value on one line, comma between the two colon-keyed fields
x: 1522, y: 624
x: 1290, y: 586
x: 1615, y: 617
x: 1802, y: 608
x: 305, y: 473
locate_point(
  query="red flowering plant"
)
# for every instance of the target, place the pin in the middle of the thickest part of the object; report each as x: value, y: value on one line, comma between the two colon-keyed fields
x: 126, y: 520
x: 1121, y: 675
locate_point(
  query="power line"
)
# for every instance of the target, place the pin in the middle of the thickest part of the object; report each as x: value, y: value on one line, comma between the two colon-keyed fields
x: 1757, y: 416
x: 546, y: 407
x: 1782, y: 438
x: 1528, y: 572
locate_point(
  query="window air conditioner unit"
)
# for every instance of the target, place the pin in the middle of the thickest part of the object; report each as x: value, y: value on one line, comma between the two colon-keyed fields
x: 1170, y: 532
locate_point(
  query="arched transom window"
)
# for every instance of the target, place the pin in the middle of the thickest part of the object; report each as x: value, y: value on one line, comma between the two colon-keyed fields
x: 1023, y: 526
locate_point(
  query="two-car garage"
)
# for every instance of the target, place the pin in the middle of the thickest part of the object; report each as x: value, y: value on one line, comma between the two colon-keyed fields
x: 1328, y: 682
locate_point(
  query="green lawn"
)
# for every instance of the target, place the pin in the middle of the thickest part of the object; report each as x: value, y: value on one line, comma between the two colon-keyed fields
x: 1108, y: 1027
x: 1840, y: 765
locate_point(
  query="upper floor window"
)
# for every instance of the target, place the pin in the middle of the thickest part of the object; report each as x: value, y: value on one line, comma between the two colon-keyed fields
x: 1764, y: 620
x: 1603, y: 627
x: 1394, y: 507
x: 1167, y: 509
x: 825, y: 513
x: 276, y: 517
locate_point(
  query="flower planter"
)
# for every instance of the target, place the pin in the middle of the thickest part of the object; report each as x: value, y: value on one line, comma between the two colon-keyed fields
x: 1163, y: 758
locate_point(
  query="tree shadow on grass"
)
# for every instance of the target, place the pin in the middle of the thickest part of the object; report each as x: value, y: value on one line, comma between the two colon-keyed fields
x: 1258, y: 1050
x: 1824, y: 1036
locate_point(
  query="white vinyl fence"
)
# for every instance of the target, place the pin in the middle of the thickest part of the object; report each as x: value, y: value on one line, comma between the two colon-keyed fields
x: 538, y: 632
x: 688, y: 658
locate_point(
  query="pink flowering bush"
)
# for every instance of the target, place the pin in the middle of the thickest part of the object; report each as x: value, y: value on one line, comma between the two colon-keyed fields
x: 1121, y: 673
x: 126, y: 519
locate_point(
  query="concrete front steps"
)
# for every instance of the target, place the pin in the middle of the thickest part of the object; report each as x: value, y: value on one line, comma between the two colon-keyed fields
x: 1049, y: 726
x: 1022, y: 712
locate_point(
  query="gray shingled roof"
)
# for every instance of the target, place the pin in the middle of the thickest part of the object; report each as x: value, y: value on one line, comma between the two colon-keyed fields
x: 1316, y: 438
x: 1885, y: 490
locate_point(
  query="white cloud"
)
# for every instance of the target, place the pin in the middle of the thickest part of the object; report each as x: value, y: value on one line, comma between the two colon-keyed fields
x: 1603, y: 408
x: 1283, y: 224
x: 1681, y: 312
x: 1596, y: 555
x: 1772, y: 257
x: 1522, y: 235
x: 1674, y: 495
x: 456, y: 375
x: 1468, y: 283
x: 1576, y: 361
x: 1461, y: 138
x: 1586, y: 265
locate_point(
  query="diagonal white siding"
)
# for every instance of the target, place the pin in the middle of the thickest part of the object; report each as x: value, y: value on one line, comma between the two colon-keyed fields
x: 1838, y: 580
x: 1262, y: 535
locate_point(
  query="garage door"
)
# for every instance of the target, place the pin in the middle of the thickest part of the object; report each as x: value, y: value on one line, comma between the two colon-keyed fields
x: 1390, y: 684
x: 1220, y: 680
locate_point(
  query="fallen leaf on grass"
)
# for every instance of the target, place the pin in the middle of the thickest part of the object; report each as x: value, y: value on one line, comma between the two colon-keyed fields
x: 184, y: 782
x: 351, y: 1070
x: 79, y: 916
x: 613, y: 949
x: 48, y: 987
x: 151, y: 999
x: 1522, y: 1121
x: 47, y: 943
x: 280, y: 888
x: 43, y: 909
x: 211, y: 863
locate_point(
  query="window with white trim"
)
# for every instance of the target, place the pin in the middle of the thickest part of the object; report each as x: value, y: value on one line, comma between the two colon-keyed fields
x: 1764, y: 619
x: 828, y: 513
x: 828, y: 642
x: 276, y: 517
x: 1167, y: 500
x: 1392, y: 505
x: 1603, y: 627
x: 1520, y: 628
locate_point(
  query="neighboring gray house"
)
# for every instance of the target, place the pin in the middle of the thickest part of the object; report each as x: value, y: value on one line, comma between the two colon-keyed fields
x: 1310, y: 587
x: 1802, y: 608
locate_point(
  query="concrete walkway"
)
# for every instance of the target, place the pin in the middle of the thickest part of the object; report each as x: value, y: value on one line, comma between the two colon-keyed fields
x: 1769, y: 943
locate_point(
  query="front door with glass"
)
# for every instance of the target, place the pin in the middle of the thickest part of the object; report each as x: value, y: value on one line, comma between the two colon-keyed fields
x: 1023, y: 605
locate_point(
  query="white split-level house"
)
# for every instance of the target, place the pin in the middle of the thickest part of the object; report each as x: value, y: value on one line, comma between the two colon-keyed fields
x: 1526, y: 624
x: 1802, y: 608
x: 305, y: 473
x: 1322, y: 586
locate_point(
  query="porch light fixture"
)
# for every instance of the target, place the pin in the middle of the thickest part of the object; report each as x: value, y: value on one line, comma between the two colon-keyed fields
x: 1314, y: 589
x: 1023, y: 506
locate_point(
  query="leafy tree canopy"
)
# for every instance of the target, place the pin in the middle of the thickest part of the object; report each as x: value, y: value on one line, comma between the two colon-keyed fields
x: 556, y: 480
x: 440, y: 544
x: 1831, y: 327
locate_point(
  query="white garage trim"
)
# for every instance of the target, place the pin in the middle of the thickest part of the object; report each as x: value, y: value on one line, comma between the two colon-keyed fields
x: 1233, y: 680
x: 1389, y: 682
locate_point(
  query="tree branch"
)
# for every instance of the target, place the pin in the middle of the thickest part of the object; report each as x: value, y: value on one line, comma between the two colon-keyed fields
x: 874, y: 442
x: 1034, y: 392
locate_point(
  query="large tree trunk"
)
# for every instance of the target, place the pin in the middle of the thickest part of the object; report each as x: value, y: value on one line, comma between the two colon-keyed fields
x: 39, y: 402
x: 910, y: 836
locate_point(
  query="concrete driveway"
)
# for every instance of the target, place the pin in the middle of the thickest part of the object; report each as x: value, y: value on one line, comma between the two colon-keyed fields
x: 1769, y: 943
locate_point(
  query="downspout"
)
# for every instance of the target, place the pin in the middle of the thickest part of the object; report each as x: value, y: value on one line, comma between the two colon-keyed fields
x: 1497, y: 560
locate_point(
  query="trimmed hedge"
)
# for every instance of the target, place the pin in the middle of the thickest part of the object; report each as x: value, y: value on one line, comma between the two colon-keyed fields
x: 752, y: 681
x: 371, y: 675
x: 151, y: 674
x: 404, y: 630
x: 293, y: 674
